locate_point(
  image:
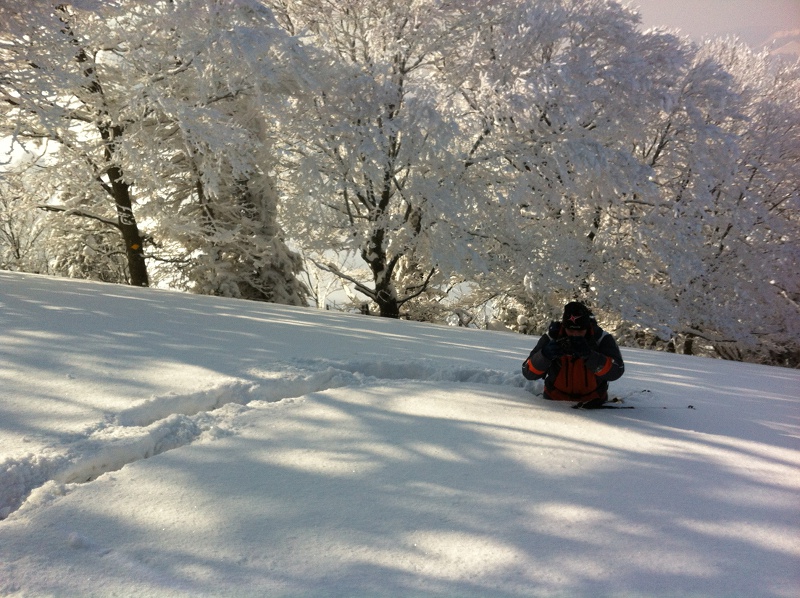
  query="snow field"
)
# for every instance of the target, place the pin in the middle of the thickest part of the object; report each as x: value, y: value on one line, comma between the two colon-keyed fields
x: 158, y: 444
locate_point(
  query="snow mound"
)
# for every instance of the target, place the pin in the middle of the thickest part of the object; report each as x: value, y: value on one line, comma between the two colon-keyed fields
x: 423, y: 371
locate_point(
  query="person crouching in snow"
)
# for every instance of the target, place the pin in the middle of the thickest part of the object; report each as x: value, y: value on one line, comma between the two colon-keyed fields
x: 576, y: 358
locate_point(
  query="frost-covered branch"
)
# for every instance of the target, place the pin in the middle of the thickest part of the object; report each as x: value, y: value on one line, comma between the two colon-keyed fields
x: 67, y: 211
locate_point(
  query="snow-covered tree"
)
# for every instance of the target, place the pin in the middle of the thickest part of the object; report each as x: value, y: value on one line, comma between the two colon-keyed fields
x: 745, y: 302
x: 56, y: 100
x: 214, y: 158
x: 661, y: 237
x: 159, y: 107
x: 552, y: 92
x: 372, y: 167
x: 687, y: 146
x: 21, y: 231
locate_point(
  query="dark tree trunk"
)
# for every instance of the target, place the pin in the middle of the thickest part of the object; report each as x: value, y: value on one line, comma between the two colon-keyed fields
x: 688, y: 344
x: 121, y: 193
x: 387, y: 304
x: 382, y: 268
x: 134, y: 250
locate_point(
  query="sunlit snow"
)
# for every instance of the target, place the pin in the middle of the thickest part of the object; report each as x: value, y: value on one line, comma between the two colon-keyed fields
x: 162, y: 444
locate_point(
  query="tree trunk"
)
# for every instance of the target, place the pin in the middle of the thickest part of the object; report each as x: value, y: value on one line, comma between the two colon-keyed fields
x: 688, y: 344
x: 387, y: 304
x: 134, y: 249
x: 382, y: 268
x: 385, y: 292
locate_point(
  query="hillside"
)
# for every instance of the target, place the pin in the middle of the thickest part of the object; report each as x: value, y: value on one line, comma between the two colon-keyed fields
x: 162, y: 444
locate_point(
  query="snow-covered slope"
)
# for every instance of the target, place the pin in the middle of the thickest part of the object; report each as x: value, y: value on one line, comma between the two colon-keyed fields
x: 162, y: 444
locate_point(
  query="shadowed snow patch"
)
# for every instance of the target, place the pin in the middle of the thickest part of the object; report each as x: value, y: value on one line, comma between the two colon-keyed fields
x: 174, y: 420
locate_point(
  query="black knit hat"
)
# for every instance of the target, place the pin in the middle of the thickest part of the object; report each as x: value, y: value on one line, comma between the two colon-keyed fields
x: 576, y: 316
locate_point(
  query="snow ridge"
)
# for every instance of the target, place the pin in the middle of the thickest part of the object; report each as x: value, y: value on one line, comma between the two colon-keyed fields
x: 170, y: 421
x: 423, y: 371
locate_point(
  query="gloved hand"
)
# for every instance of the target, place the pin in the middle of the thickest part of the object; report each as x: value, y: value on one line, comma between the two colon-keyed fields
x: 580, y: 347
x: 552, y: 350
x: 597, y: 361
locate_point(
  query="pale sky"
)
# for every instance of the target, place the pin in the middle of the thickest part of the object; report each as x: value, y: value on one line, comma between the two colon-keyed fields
x: 752, y: 20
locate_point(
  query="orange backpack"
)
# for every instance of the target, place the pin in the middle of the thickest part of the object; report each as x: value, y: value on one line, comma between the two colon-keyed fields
x: 574, y: 382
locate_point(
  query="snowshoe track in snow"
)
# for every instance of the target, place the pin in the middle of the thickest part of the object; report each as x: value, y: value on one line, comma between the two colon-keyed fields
x: 174, y: 420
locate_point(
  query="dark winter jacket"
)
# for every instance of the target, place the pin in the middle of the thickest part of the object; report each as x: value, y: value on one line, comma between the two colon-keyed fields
x: 572, y: 378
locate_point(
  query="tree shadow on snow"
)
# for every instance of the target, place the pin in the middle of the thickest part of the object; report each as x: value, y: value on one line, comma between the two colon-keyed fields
x: 410, y: 491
